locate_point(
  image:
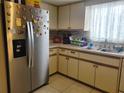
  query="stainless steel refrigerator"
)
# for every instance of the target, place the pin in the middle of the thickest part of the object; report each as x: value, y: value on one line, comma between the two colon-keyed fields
x: 27, y: 36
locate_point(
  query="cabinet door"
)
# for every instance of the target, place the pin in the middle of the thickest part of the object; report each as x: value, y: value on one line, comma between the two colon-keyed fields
x: 86, y: 72
x: 106, y: 79
x: 63, y: 63
x: 73, y: 68
x: 122, y: 79
x: 52, y: 14
x: 64, y: 13
x: 77, y: 16
x: 53, y: 64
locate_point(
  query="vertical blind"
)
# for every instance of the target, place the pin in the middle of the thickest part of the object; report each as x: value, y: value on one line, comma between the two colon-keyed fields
x: 105, y: 22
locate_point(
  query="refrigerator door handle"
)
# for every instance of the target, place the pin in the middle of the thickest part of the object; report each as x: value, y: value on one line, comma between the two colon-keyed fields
x: 29, y: 52
x: 32, y: 43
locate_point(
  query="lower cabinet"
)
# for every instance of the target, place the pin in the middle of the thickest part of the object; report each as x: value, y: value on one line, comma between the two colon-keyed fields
x: 122, y: 78
x: 106, y: 79
x: 63, y: 64
x: 73, y: 68
x: 102, y: 77
x: 53, y: 64
x: 86, y: 72
x: 68, y: 66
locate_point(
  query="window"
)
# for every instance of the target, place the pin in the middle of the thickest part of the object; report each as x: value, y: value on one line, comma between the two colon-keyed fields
x: 105, y: 22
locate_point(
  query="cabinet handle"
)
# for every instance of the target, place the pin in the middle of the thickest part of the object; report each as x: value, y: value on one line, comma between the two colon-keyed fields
x: 62, y: 50
x: 73, y: 52
x: 97, y: 66
x: 67, y: 58
x: 94, y: 65
x: 51, y: 50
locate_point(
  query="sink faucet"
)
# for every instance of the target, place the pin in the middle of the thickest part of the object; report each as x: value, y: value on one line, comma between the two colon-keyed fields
x: 105, y: 43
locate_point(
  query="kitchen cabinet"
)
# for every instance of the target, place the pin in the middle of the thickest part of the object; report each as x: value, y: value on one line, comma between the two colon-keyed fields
x: 53, y: 51
x: 122, y: 78
x: 73, y: 68
x: 77, y: 16
x: 53, y: 61
x: 52, y: 15
x: 72, y: 16
x: 86, y: 72
x: 73, y: 53
x: 53, y: 64
x: 63, y: 51
x: 111, y: 61
x: 64, y: 17
x: 102, y: 77
x: 106, y: 78
x: 69, y: 61
x: 63, y: 64
x: 99, y: 71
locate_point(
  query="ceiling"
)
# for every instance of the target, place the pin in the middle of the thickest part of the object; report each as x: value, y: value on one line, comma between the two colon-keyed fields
x: 61, y: 2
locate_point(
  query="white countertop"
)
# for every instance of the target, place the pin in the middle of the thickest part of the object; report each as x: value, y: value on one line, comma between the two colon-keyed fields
x: 84, y: 49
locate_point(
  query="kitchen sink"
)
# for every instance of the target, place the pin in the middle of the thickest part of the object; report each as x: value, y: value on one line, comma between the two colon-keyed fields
x: 106, y: 50
x: 109, y: 50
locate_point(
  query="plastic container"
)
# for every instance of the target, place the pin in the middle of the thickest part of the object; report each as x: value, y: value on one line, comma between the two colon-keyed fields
x: 90, y: 45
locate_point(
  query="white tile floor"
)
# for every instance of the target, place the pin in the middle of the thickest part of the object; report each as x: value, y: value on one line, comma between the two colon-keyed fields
x: 61, y: 84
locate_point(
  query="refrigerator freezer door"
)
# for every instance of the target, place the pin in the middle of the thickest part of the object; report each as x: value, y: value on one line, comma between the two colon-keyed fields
x: 41, y: 48
x: 16, y: 40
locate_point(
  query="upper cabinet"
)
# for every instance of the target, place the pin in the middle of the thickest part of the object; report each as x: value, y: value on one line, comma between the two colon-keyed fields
x: 52, y: 15
x: 77, y: 16
x: 68, y: 17
x: 72, y: 16
x: 64, y: 17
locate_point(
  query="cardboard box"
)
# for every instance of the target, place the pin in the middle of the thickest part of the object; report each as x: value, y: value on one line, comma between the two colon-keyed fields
x: 34, y: 3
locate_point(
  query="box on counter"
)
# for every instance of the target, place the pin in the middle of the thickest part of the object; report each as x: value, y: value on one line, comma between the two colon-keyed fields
x: 34, y: 3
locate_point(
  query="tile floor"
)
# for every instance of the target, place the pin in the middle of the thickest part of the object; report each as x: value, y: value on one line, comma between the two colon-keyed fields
x: 61, y: 84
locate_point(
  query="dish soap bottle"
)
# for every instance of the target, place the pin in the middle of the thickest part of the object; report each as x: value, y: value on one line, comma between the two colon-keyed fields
x: 90, y: 44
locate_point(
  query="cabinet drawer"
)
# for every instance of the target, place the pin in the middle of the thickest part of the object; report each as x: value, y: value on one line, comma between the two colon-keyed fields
x: 53, y: 51
x: 63, y: 51
x: 100, y: 59
x: 73, y: 53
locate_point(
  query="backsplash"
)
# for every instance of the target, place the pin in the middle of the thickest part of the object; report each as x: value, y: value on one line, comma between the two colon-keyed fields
x: 79, y: 35
x: 74, y: 34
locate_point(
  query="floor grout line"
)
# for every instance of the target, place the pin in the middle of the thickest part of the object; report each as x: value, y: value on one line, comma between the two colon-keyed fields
x: 67, y: 88
x: 55, y: 88
x: 59, y: 90
x: 91, y: 90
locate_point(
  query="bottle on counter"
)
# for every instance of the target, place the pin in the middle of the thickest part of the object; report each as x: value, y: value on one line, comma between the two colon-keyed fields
x: 84, y: 42
x: 90, y: 44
